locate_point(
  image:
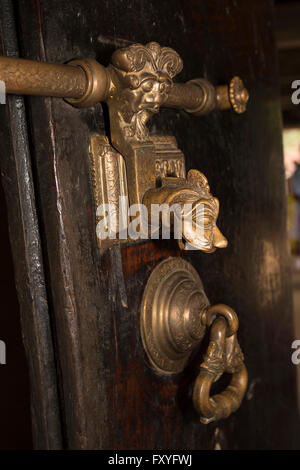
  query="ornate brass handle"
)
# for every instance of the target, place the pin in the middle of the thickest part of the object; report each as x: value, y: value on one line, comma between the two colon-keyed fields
x: 223, y: 355
x: 148, y: 170
x: 174, y: 316
x: 88, y: 82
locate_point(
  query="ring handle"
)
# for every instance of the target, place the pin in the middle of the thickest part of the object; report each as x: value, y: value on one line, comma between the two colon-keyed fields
x: 223, y: 355
x: 175, y: 314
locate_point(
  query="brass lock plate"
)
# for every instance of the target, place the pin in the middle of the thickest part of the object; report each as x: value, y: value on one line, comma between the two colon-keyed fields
x: 109, y: 179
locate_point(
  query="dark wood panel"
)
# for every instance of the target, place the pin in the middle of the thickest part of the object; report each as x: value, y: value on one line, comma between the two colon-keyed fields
x: 289, y: 63
x: 15, y: 431
x: 18, y: 185
x: 287, y: 24
x: 110, y: 396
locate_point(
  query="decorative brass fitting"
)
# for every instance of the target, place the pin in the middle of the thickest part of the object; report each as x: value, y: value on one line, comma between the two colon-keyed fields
x: 203, y: 209
x: 98, y: 83
x: 142, y: 82
x: 236, y: 96
x: 89, y: 82
x: 147, y: 169
x: 223, y: 355
x: 175, y: 315
x: 150, y: 170
x: 28, y: 77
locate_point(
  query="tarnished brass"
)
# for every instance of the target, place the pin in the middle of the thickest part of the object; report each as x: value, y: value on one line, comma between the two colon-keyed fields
x: 175, y: 311
x: 97, y: 83
x: 236, y: 95
x: 89, y: 82
x: 108, y: 172
x: 108, y: 175
x: 135, y: 85
x: 194, y: 190
x: 141, y: 81
x: 175, y: 314
x: 85, y: 84
x: 197, y: 96
x: 142, y: 78
x: 223, y: 355
x: 28, y: 77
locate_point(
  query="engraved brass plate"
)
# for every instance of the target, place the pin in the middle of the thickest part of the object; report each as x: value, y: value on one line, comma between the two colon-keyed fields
x: 108, y: 174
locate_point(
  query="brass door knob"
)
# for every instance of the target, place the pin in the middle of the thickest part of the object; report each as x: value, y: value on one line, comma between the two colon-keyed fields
x: 175, y: 315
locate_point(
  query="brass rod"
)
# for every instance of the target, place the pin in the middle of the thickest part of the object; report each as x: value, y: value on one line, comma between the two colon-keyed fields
x: 196, y: 96
x: 86, y: 82
x: 183, y: 95
x: 28, y: 77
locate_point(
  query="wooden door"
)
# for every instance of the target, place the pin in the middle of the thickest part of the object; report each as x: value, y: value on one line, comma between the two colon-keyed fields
x: 92, y: 385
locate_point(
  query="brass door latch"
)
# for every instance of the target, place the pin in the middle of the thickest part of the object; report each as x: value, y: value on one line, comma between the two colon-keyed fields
x: 149, y: 171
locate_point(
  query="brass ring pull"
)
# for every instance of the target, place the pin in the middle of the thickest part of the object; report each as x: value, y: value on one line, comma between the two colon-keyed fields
x: 175, y: 314
x: 225, y: 311
x: 223, y: 355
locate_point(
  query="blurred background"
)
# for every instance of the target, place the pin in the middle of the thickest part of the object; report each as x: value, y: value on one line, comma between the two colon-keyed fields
x: 287, y: 34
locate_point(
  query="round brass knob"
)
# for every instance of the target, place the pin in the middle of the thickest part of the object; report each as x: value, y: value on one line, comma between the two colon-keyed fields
x: 235, y: 96
x: 173, y: 305
x: 238, y: 95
